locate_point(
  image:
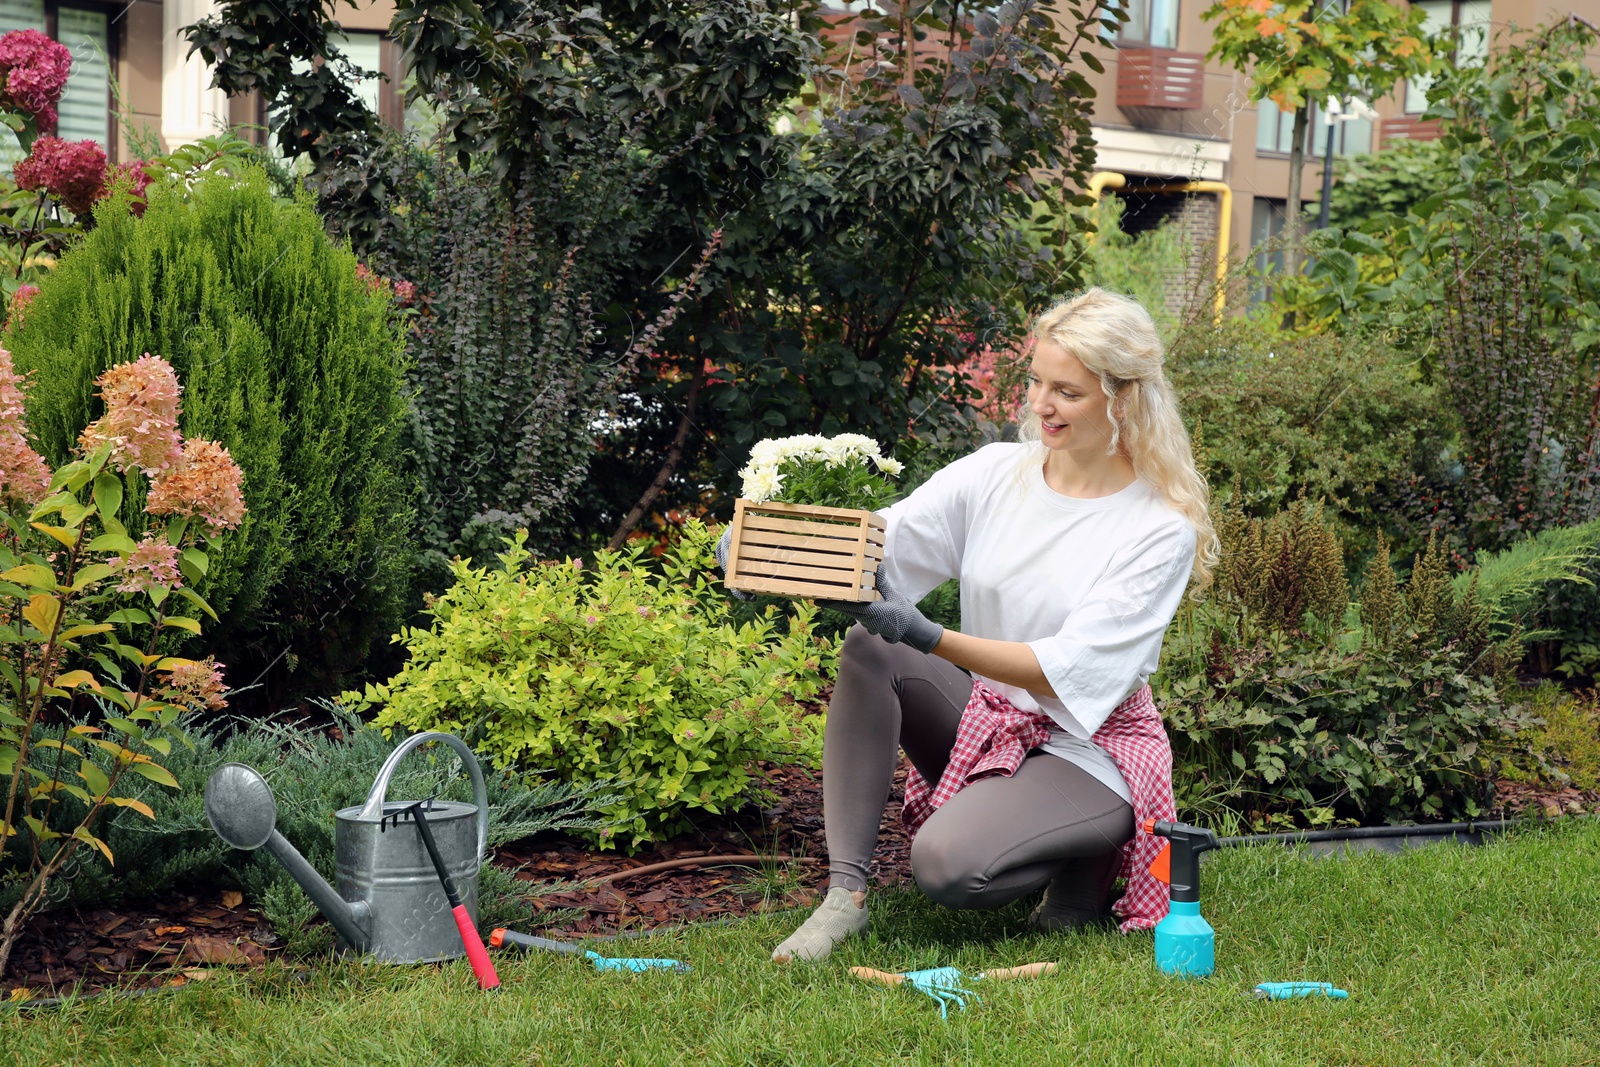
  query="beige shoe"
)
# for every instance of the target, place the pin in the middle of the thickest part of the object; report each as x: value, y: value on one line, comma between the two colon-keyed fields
x: 835, y: 919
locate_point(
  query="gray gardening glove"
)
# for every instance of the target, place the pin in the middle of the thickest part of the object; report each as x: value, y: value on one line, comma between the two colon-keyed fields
x: 723, y: 544
x: 894, y: 618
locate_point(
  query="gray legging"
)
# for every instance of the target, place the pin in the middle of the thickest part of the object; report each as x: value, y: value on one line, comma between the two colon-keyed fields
x: 997, y: 839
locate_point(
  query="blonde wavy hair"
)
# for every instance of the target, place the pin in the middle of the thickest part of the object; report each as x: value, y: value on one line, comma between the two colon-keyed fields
x: 1115, y: 338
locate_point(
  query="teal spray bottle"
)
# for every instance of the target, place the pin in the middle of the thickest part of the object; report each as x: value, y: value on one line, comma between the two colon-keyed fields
x: 1185, y: 943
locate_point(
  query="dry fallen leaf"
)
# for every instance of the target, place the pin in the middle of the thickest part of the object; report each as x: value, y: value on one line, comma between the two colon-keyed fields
x: 211, y: 950
x: 162, y: 931
x: 22, y: 992
x: 198, y: 974
x: 232, y: 898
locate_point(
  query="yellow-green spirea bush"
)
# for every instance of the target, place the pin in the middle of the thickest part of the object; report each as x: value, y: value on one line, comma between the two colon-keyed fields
x: 627, y: 671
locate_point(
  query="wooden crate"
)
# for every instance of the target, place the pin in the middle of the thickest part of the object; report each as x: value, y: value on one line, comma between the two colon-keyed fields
x: 801, y: 550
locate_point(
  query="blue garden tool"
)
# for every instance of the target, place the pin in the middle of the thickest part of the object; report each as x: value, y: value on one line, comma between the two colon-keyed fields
x: 943, y: 984
x: 635, y: 965
x: 1289, y: 990
x: 503, y: 938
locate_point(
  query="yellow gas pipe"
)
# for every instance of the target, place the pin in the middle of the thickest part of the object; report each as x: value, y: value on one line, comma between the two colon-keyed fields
x: 1102, y: 180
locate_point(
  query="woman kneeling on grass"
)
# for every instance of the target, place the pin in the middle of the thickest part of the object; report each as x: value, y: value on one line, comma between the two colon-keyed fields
x: 1038, y: 753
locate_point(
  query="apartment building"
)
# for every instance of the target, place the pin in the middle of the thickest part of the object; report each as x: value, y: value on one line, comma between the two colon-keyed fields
x: 1180, y: 138
x: 1178, y: 134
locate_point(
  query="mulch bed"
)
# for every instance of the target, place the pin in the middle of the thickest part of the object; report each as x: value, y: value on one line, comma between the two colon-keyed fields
x: 184, y: 935
x: 790, y: 827
x: 180, y: 937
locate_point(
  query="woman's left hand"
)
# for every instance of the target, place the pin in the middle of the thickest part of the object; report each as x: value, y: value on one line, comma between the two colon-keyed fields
x: 894, y: 618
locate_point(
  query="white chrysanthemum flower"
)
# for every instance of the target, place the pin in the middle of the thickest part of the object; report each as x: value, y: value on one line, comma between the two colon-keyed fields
x: 891, y: 467
x: 766, y: 452
x: 857, y: 444
x: 761, y: 484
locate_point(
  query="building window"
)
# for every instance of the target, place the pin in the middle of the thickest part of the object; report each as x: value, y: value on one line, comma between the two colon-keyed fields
x: 364, y: 50
x: 1150, y: 22
x: 1275, y: 132
x: 1266, y: 222
x: 85, y: 28
x: 367, y: 50
x: 1468, y: 22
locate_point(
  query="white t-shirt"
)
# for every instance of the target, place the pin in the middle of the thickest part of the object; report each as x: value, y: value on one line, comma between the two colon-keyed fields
x: 1089, y: 584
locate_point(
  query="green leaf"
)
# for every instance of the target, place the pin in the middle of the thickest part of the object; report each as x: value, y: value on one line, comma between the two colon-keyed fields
x: 155, y: 772
x: 107, y: 494
x: 176, y: 528
x: 84, y: 629
x: 193, y: 564
x: 121, y: 544
x: 82, y: 834
x: 94, y: 778
x: 197, y: 600
x: 130, y: 615
x: 183, y: 622
x: 60, y: 533
x: 32, y: 575
x: 89, y: 575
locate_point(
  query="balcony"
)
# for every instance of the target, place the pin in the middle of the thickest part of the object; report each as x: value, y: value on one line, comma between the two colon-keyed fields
x: 1409, y: 127
x: 1160, y: 79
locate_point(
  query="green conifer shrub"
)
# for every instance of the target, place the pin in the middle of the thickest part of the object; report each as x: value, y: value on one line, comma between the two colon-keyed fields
x: 290, y: 361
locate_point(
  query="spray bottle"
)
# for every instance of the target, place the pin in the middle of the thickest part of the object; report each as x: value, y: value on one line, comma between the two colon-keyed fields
x: 1185, y: 943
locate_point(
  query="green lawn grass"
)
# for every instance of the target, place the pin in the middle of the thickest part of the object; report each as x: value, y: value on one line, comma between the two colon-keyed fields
x: 1452, y: 955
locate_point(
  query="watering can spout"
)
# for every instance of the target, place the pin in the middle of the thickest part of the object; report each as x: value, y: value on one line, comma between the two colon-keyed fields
x: 241, y: 810
x: 349, y: 917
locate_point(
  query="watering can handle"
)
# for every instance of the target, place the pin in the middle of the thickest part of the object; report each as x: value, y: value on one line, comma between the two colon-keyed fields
x: 372, y: 810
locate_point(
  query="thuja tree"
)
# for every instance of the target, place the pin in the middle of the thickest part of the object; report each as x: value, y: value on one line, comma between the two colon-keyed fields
x: 291, y: 362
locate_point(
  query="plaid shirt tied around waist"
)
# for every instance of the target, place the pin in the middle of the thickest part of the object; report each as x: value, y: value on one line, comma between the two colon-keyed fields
x: 994, y: 737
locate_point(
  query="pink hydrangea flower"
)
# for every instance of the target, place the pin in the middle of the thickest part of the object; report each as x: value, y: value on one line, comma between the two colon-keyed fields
x: 197, y: 684
x: 21, y: 299
x: 33, y: 71
x: 153, y: 562
x: 73, y: 172
x: 141, y: 419
x: 24, y: 475
x: 207, y: 484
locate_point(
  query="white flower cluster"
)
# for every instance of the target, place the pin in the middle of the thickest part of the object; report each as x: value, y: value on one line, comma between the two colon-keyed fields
x: 762, y: 482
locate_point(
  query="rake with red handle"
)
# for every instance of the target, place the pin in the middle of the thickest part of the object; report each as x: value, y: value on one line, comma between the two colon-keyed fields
x: 477, y: 955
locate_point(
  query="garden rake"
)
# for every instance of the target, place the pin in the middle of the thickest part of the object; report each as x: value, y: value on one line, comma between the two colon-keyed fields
x: 943, y: 984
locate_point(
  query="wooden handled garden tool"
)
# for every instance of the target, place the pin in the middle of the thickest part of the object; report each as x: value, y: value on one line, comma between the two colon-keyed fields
x: 476, y: 953
x: 943, y: 984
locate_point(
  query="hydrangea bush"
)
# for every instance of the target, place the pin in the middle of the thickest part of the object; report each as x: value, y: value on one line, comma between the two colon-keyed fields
x: 83, y: 610
x: 847, y: 471
x: 33, y: 74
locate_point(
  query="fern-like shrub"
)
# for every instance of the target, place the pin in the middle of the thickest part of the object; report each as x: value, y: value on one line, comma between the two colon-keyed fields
x: 290, y: 361
x: 1386, y: 710
x: 628, y: 671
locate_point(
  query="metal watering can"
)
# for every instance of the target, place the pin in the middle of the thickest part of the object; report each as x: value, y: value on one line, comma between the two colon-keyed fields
x: 389, y: 904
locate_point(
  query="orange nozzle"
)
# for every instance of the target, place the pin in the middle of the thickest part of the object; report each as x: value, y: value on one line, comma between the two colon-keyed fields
x: 497, y: 937
x: 1149, y: 826
x: 1161, y: 867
